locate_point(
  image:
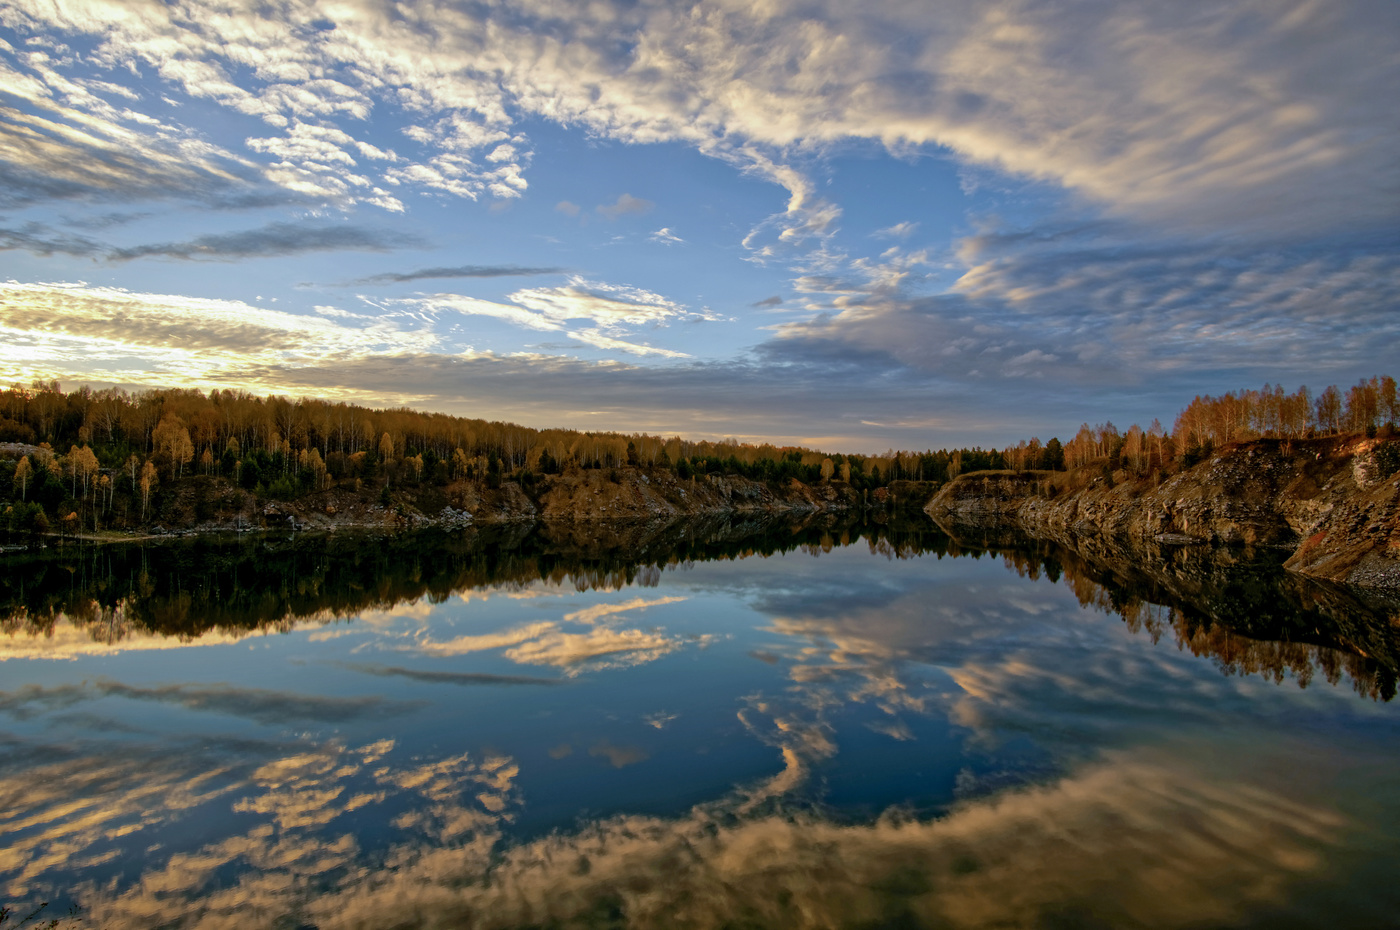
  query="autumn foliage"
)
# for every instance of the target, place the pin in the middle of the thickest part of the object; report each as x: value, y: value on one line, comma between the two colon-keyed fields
x: 124, y: 450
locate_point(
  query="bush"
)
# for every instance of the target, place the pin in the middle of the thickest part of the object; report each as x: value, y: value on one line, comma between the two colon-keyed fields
x: 1197, y: 453
x: 26, y: 518
x: 283, y: 489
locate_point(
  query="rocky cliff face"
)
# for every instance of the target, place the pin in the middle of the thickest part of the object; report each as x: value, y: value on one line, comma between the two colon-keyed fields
x: 1326, y: 499
x: 631, y: 494
x: 595, y: 495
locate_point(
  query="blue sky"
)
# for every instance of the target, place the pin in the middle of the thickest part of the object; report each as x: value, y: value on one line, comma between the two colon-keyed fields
x: 849, y: 227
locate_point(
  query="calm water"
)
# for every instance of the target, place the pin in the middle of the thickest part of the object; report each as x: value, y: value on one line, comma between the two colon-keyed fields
x: 692, y: 726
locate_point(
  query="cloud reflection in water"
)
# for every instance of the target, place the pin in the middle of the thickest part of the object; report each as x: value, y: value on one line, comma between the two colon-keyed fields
x: 1138, y: 838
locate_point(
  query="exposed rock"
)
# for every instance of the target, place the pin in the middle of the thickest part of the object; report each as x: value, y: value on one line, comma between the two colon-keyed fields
x: 1326, y: 499
x: 599, y: 494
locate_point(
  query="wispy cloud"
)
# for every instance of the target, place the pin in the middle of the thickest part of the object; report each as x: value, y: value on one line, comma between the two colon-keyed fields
x: 610, y: 308
x: 458, y: 271
x: 275, y: 239
x: 665, y: 236
x: 41, y: 240
x: 897, y: 231
x: 463, y: 679
x: 261, y: 705
x: 597, y: 612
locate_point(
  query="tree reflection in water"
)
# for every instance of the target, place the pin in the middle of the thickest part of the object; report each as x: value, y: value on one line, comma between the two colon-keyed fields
x: 1239, y: 608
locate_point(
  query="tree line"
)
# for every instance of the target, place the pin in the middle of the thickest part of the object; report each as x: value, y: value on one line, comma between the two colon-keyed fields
x: 94, y: 458
x: 1209, y: 422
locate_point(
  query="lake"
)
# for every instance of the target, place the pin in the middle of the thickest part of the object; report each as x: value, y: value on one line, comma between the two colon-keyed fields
x: 715, y: 724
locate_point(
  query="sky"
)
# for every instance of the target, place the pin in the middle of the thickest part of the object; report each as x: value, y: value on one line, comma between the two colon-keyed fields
x: 847, y: 226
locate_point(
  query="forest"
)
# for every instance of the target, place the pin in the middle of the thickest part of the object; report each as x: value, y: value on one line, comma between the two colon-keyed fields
x: 91, y: 460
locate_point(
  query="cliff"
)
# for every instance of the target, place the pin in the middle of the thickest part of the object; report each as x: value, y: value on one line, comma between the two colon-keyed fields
x: 1328, y: 500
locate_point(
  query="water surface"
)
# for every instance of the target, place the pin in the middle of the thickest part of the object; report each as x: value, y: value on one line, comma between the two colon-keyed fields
x: 693, y: 725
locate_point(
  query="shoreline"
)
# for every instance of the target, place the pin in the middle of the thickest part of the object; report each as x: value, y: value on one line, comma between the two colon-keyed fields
x: 1326, y: 501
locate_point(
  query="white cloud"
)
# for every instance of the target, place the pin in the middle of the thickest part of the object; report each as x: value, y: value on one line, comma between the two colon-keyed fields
x: 598, y: 340
x: 597, y: 612
x: 596, y: 649
x: 665, y: 236
x: 610, y: 308
x: 544, y: 643
x: 604, y: 304
x: 464, y: 645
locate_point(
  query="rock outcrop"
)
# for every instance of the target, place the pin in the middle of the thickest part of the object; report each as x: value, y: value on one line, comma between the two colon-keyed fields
x: 203, y: 504
x: 1327, y: 499
x: 632, y: 494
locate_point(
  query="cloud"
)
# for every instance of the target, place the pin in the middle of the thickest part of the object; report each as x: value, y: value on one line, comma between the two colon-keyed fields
x: 1082, y: 308
x: 459, y: 271
x: 567, y: 208
x: 1085, y: 308
x: 464, y: 645
x: 625, y: 205
x: 544, y: 643
x: 611, y: 308
x: 317, y: 160
x: 768, y: 303
x: 597, y: 649
x: 665, y: 236
x: 597, y: 612
x: 1271, y: 120
x: 70, y: 640
x: 63, y: 142
x: 1017, y: 860
x: 177, y: 337
x: 809, y: 400
x: 897, y: 231
x: 464, y: 679
x: 92, y: 805
x: 606, y: 305
x: 619, y: 756
x: 262, y: 706
x: 273, y: 240
x: 599, y: 340
x: 41, y: 240
x: 1014, y: 860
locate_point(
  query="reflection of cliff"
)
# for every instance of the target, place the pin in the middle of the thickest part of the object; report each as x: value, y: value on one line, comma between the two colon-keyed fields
x: 237, y: 585
x: 1239, y: 607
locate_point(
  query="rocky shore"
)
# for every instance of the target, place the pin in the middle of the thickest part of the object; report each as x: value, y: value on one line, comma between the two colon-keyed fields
x: 1330, y: 501
x: 205, y: 505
